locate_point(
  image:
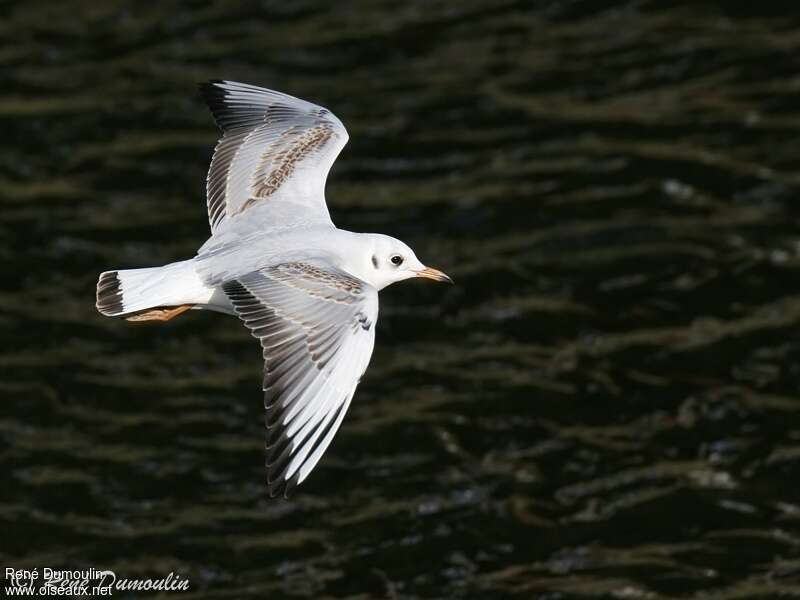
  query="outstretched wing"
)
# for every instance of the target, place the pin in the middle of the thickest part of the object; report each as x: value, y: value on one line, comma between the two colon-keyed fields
x: 275, y: 148
x: 316, y: 325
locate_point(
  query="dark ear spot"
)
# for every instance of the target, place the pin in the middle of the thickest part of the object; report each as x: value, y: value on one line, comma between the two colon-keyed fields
x: 374, y: 261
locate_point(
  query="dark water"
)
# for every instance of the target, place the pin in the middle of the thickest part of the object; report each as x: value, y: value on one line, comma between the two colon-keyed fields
x: 606, y: 405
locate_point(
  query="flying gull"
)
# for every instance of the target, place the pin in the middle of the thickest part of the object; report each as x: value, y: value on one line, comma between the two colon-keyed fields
x: 305, y: 289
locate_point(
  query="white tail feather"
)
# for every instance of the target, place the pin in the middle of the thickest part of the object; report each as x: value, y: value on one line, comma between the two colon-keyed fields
x: 121, y: 293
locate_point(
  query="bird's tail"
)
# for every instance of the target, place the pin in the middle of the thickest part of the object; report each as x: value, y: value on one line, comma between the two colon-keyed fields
x: 149, y: 294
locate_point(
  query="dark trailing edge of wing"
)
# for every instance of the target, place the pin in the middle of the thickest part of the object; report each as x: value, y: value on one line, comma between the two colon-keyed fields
x: 277, y: 445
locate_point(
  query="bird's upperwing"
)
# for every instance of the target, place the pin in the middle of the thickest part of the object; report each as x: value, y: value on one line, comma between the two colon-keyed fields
x: 316, y: 325
x: 274, y: 148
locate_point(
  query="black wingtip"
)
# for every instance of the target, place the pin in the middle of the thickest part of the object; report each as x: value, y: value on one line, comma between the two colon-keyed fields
x: 214, y: 96
x: 109, y: 294
x: 282, y: 488
x: 209, y: 86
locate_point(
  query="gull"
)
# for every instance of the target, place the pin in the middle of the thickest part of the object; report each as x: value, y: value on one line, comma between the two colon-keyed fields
x: 305, y: 289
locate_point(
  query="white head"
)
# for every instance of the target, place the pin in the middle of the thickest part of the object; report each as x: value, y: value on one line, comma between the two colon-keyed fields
x: 383, y: 260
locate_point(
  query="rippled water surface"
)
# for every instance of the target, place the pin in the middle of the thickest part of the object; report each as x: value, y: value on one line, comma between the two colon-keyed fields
x: 605, y: 405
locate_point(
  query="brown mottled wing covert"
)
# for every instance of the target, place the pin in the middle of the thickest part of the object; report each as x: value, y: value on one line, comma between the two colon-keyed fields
x: 275, y: 147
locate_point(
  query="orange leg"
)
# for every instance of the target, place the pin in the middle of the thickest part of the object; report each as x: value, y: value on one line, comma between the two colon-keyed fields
x: 160, y: 314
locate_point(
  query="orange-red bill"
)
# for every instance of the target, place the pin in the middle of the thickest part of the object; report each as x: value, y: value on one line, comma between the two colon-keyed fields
x: 435, y: 274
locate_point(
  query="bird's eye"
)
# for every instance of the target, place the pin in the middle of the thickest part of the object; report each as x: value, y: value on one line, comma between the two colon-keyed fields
x: 397, y: 260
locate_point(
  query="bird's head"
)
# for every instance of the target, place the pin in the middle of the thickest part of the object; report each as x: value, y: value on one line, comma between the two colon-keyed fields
x: 389, y: 260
